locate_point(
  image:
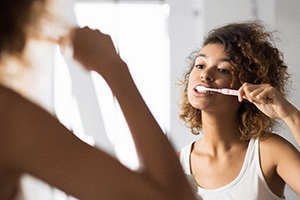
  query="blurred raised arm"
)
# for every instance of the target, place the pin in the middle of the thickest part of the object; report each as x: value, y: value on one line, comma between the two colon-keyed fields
x: 159, y: 163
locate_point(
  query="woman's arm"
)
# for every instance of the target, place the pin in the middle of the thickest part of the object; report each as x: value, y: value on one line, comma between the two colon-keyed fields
x: 32, y: 141
x: 271, y: 102
x: 285, y: 156
x: 159, y: 163
x: 293, y: 122
x: 280, y: 158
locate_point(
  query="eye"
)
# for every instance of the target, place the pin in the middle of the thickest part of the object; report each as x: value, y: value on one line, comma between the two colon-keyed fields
x: 199, y: 66
x: 224, y: 71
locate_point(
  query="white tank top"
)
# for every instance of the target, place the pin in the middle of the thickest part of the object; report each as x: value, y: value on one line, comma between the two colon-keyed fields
x: 248, y: 185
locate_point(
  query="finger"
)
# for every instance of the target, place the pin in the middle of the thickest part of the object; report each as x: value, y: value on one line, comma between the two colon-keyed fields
x: 264, y: 94
x: 242, y: 94
x: 258, y: 94
x: 245, y: 91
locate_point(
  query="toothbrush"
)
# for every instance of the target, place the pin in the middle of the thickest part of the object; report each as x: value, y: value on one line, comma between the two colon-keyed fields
x: 223, y: 90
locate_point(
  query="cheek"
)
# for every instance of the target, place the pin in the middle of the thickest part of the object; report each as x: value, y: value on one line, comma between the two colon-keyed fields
x: 190, y: 86
x: 194, y: 101
x: 189, y: 94
x: 189, y: 90
x: 193, y: 79
x: 225, y: 82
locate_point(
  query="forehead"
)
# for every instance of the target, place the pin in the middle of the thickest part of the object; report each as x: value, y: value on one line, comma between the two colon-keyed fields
x: 214, y: 52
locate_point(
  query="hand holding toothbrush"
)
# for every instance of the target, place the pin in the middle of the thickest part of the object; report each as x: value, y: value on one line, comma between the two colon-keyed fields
x: 269, y: 100
x: 272, y: 103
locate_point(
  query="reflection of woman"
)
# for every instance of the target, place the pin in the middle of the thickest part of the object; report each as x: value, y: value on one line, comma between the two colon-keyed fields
x: 238, y: 156
x: 32, y: 141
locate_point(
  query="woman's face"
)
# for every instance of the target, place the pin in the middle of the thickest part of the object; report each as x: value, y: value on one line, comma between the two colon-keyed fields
x: 212, y: 69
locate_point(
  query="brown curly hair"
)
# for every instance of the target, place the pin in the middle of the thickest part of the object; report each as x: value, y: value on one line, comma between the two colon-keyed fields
x: 255, y: 60
x: 18, y: 19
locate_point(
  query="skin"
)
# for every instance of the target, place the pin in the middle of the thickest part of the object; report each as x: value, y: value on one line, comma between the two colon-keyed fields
x: 220, y: 144
x: 32, y: 141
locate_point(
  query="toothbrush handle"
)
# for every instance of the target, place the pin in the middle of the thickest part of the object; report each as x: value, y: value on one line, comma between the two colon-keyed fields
x: 230, y: 92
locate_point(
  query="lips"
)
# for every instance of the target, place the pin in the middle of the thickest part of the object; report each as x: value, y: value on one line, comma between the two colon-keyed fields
x: 202, y: 93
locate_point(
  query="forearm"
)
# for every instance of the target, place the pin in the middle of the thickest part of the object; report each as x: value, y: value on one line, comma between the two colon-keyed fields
x: 293, y: 122
x: 156, y: 154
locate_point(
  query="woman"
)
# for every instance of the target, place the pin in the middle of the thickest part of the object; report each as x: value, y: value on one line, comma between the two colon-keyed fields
x: 238, y: 156
x: 32, y: 141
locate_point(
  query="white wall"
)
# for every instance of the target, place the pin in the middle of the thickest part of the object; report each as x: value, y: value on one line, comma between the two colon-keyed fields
x: 288, y: 18
x: 186, y: 30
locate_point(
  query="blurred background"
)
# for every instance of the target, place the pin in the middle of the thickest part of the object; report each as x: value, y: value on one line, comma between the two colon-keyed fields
x: 154, y: 37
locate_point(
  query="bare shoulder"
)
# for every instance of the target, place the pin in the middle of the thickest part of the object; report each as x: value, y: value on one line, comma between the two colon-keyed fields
x: 275, y: 141
x: 11, y: 102
x: 7, y: 97
x: 283, y: 158
x: 21, y: 124
x: 278, y: 148
x: 14, y: 104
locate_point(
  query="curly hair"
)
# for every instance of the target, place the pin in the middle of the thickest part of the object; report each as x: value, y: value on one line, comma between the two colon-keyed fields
x: 18, y: 19
x: 254, y: 60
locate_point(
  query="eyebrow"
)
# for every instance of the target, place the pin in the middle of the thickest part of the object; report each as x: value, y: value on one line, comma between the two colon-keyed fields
x: 221, y: 59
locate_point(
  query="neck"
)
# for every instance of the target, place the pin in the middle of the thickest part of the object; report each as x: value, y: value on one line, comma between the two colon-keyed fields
x: 220, y: 133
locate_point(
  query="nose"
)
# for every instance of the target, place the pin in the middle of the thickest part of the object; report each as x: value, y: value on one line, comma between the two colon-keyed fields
x: 205, y: 75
